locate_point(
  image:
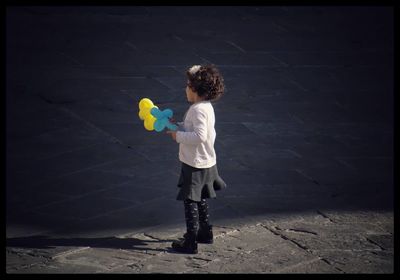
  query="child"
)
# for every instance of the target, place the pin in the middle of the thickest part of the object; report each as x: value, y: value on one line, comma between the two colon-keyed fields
x: 199, y: 177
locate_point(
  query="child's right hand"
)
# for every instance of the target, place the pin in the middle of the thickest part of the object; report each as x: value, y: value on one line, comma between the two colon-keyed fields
x: 172, y: 133
x: 172, y: 120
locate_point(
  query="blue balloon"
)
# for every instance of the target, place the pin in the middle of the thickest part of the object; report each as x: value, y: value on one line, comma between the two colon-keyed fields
x: 162, y: 119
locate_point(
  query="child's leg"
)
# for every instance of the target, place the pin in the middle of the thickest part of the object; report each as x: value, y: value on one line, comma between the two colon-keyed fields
x: 191, y: 216
x: 205, y: 234
x: 203, y: 213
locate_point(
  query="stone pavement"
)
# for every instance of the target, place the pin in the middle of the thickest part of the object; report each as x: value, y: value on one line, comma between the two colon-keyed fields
x: 331, y: 242
x: 304, y: 138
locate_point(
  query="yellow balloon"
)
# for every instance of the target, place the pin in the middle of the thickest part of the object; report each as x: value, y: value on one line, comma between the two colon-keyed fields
x: 145, y: 106
x: 143, y: 113
x: 149, y: 123
x: 145, y: 103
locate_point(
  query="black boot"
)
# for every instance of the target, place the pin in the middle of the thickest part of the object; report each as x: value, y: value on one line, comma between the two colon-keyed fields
x: 187, y: 245
x: 205, y: 234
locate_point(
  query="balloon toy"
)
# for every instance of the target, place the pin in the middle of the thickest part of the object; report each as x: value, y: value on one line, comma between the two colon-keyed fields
x: 153, y: 117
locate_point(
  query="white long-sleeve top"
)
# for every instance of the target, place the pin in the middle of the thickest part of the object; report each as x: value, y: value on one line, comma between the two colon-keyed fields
x: 196, y: 141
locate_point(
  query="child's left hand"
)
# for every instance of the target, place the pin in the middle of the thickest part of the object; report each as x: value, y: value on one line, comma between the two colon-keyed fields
x: 172, y: 120
x: 173, y: 134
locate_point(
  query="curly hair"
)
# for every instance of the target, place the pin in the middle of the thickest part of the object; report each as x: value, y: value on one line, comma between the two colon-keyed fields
x: 206, y: 81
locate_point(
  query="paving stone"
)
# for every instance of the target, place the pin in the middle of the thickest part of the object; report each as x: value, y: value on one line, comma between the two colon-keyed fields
x: 245, y: 252
x: 24, y: 221
x: 100, y: 259
x: 352, y: 261
x: 134, y: 134
x: 83, y: 183
x: 314, y: 237
x: 56, y: 142
x: 378, y: 218
x: 57, y: 268
x: 129, y: 191
x: 132, y: 217
x: 384, y: 241
x: 347, y: 59
x: 23, y: 124
x: 18, y: 260
x: 43, y: 170
x: 243, y: 59
x: 85, y: 207
x: 270, y: 176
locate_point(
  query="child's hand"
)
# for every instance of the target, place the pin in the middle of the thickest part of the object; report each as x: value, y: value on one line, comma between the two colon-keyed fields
x: 172, y: 120
x: 173, y: 134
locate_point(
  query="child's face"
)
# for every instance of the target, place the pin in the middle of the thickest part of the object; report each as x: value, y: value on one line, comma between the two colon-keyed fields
x: 191, y: 95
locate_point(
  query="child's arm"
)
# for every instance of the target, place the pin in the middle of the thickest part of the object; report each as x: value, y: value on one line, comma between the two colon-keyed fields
x: 199, y: 133
x: 180, y: 126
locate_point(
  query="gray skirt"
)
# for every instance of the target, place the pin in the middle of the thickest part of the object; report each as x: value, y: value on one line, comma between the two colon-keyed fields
x: 199, y: 183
